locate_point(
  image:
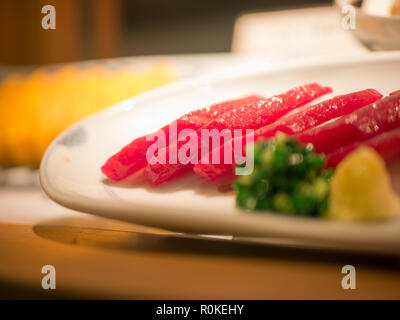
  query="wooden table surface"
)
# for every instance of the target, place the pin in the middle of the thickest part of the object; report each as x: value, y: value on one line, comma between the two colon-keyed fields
x: 144, y: 263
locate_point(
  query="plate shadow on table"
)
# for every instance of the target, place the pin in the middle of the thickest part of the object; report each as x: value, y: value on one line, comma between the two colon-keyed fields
x: 193, y: 245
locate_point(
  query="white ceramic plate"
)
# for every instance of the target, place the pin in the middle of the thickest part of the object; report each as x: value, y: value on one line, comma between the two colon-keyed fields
x: 70, y: 171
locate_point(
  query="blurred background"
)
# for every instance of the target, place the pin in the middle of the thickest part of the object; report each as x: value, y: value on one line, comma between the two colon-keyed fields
x: 93, y: 29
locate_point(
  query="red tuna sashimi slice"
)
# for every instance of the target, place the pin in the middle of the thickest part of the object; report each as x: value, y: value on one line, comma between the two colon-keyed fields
x: 320, y: 113
x: 133, y: 156
x: 262, y: 113
x: 386, y: 144
x: 297, y: 122
x: 250, y: 116
x: 362, y: 124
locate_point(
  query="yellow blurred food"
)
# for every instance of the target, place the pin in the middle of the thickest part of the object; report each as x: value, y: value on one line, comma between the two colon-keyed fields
x: 37, y: 107
x: 396, y: 8
x: 361, y: 188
